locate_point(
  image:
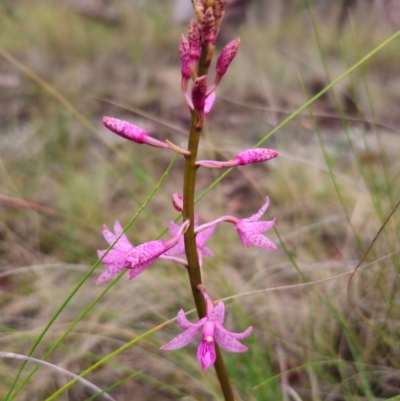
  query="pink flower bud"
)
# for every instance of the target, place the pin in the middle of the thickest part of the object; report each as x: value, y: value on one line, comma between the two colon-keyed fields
x: 131, y: 132
x: 209, y: 34
x: 198, y: 9
x: 228, y: 53
x: 255, y: 156
x: 177, y: 202
x: 194, y: 41
x: 199, y: 90
x: 219, y: 8
x: 185, y: 59
x: 241, y: 159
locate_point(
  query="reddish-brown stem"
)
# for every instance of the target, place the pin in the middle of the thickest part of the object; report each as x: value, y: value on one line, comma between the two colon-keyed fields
x: 194, y: 271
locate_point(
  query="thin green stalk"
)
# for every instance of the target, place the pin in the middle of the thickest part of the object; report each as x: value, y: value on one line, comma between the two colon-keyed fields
x: 189, y: 186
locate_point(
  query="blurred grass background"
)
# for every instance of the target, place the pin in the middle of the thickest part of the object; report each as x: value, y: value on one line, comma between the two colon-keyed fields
x: 62, y: 175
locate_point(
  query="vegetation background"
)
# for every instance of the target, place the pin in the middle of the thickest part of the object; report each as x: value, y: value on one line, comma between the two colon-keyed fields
x: 317, y: 334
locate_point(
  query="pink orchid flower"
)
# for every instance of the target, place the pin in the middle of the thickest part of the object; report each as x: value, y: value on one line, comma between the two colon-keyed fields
x: 249, y: 229
x: 124, y: 255
x: 213, y: 332
x: 201, y: 239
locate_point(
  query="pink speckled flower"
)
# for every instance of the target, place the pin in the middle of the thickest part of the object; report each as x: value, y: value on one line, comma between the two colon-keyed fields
x: 241, y: 159
x: 124, y: 255
x: 131, y: 132
x: 213, y: 331
x: 249, y: 229
x: 201, y: 239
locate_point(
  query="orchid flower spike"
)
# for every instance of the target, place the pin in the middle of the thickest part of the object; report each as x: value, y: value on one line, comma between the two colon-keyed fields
x: 213, y: 332
x: 241, y: 159
x: 124, y: 255
x: 249, y: 229
x: 138, y: 135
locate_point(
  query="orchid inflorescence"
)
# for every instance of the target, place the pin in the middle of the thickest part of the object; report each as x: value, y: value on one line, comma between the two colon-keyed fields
x: 196, y: 53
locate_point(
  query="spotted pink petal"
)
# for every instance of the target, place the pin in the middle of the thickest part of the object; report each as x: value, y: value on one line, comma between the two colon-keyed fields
x: 262, y: 210
x: 115, y: 258
x: 113, y: 270
x: 184, y: 338
x: 238, y: 336
x: 202, y: 237
x: 260, y: 241
x: 218, y: 314
x: 210, y: 99
x: 228, y: 342
x: 185, y: 324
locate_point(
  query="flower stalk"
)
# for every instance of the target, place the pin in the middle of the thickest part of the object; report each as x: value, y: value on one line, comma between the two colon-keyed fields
x: 190, y: 238
x: 193, y: 264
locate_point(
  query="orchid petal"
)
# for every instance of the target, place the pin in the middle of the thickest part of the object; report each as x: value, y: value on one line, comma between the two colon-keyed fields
x: 206, y: 354
x: 183, y: 339
x: 185, y: 324
x: 218, y: 314
x: 262, y: 210
x: 238, y: 336
x: 227, y: 342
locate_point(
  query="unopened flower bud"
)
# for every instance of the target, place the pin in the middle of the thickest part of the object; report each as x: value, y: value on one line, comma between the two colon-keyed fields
x: 219, y: 8
x: 241, y: 159
x: 194, y: 41
x: 198, y: 9
x: 199, y: 90
x: 177, y: 202
x: 209, y: 34
x: 255, y: 156
x: 131, y: 132
x: 184, y: 49
x: 228, y: 53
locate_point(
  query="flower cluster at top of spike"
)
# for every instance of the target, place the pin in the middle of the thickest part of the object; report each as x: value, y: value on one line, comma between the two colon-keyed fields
x: 122, y: 255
